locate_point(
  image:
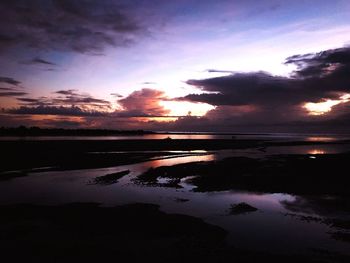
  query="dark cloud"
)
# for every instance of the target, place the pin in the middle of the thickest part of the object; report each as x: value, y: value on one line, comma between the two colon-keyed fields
x: 82, y: 99
x: 143, y: 103
x: 12, y: 93
x: 65, y: 103
x: 10, y: 81
x: 335, y: 62
x: 259, y: 100
x: 67, y: 92
x: 117, y: 95
x: 321, y: 75
x: 11, y: 88
x: 39, y: 61
x: 67, y: 98
x: 52, y: 110
x: 246, y: 88
x: 29, y: 100
x: 219, y: 71
x: 71, y: 97
x: 82, y: 26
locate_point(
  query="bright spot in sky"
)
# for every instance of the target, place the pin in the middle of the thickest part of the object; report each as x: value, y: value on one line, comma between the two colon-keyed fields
x: 323, y: 107
x: 184, y: 108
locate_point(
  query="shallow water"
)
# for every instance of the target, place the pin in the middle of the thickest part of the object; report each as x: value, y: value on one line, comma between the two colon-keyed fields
x: 271, y: 228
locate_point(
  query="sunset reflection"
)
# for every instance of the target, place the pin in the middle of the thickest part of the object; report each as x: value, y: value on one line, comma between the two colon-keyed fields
x: 176, y: 159
x: 317, y: 151
x: 320, y: 139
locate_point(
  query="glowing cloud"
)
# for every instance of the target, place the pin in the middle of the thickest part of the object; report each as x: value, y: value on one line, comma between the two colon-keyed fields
x: 183, y: 108
x: 320, y: 108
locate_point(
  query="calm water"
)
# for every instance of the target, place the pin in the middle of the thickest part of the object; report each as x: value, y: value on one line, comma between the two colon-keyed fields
x: 271, y: 228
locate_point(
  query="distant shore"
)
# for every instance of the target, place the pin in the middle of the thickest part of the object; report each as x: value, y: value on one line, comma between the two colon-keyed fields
x: 23, y: 131
x: 36, y: 131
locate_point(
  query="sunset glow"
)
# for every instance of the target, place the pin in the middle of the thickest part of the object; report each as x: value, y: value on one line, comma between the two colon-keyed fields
x: 184, y: 108
x: 323, y: 107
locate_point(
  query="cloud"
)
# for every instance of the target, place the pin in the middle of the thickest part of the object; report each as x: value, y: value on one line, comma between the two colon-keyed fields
x: 11, y: 88
x: 28, y: 101
x: 71, y: 97
x: 52, y: 110
x: 335, y: 62
x: 260, y: 99
x: 82, y: 26
x: 320, y: 75
x: 67, y: 98
x: 66, y: 92
x: 39, y: 61
x: 10, y: 81
x: 219, y: 71
x: 143, y: 103
x: 12, y: 93
x: 243, y: 102
x: 117, y: 95
x: 65, y: 103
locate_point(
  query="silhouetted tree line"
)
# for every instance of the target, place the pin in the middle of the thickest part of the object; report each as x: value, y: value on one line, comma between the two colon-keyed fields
x: 36, y: 131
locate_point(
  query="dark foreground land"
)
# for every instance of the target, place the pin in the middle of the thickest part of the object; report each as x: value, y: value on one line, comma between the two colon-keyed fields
x: 90, y: 233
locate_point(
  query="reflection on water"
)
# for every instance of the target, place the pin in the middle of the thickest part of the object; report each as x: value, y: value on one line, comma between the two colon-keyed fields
x: 317, y: 151
x: 319, y: 205
x: 170, y: 160
x: 266, y: 229
x: 308, y: 149
x: 321, y: 139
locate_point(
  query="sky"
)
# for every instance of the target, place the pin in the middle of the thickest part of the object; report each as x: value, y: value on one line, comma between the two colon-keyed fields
x: 184, y: 65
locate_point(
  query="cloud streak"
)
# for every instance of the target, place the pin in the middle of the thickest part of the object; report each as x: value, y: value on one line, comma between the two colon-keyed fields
x: 10, y: 81
x: 12, y: 93
x: 39, y: 61
x: 52, y: 110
